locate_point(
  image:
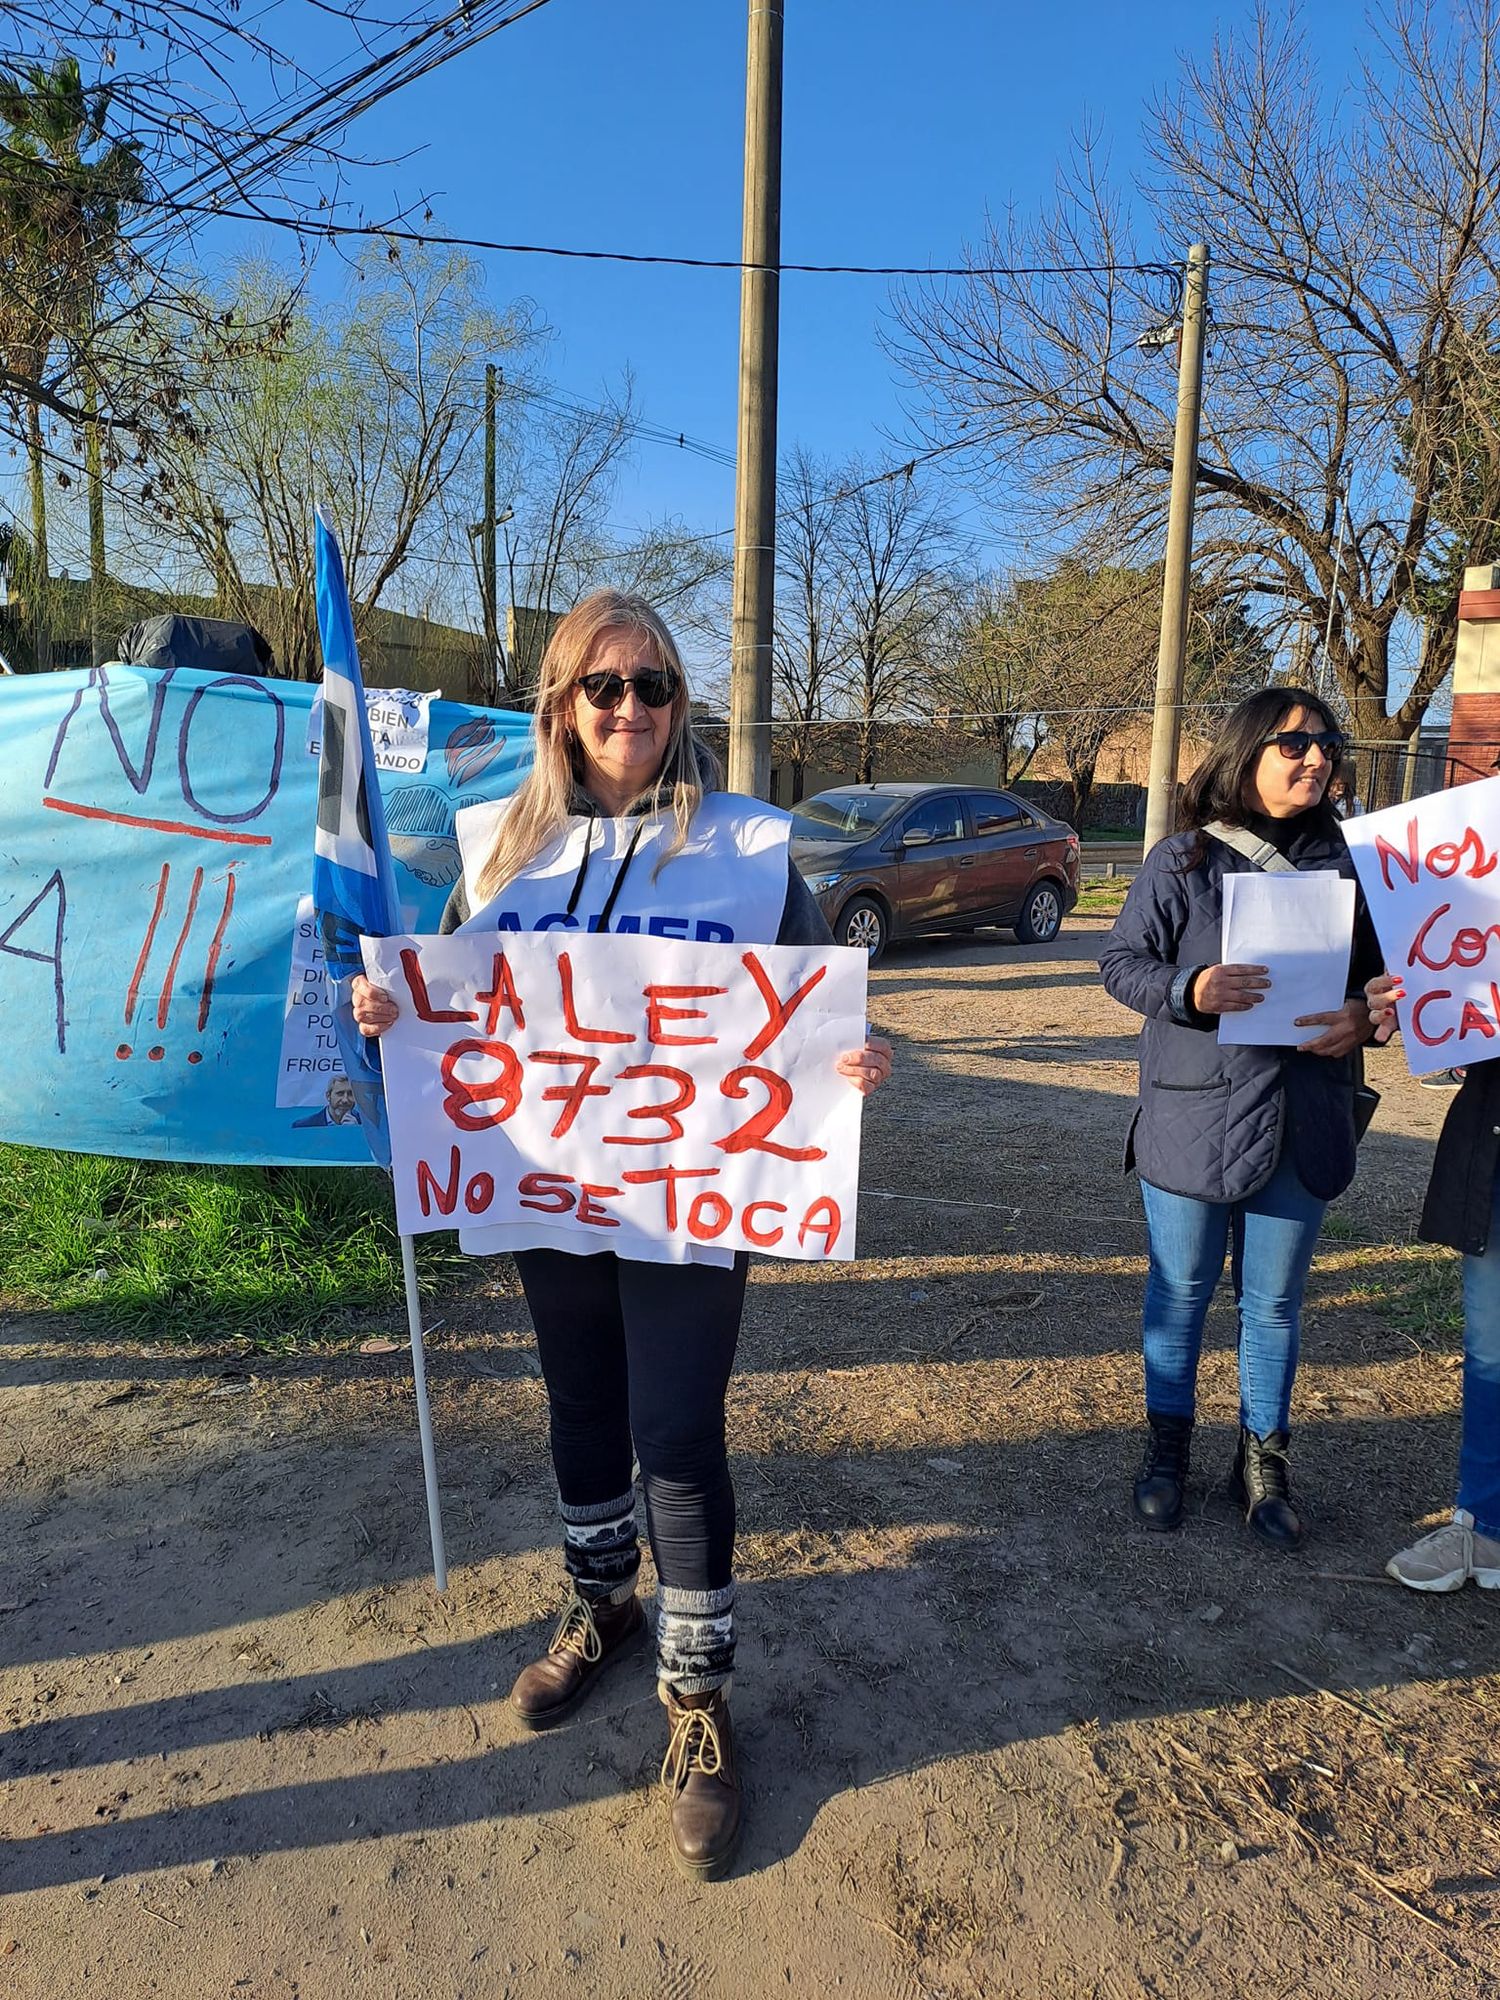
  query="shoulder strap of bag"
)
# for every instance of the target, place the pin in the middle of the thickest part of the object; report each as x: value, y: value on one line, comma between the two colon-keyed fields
x: 1260, y: 852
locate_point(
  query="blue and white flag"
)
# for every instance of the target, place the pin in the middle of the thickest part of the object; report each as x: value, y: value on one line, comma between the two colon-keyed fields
x: 354, y: 885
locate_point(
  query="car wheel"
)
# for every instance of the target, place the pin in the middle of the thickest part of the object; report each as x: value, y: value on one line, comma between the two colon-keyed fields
x: 863, y: 924
x: 1041, y: 915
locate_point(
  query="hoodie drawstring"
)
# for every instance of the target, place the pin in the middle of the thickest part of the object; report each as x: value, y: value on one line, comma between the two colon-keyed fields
x: 583, y: 865
x: 619, y: 882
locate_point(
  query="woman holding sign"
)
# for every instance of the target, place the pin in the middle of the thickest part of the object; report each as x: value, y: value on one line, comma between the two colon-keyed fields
x: 617, y: 827
x: 1236, y: 1145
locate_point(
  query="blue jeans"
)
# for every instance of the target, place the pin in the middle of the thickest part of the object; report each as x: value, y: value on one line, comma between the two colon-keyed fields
x: 1274, y: 1233
x: 1479, y: 1451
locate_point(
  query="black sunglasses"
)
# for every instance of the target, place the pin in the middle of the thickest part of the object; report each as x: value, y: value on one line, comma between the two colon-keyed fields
x: 1294, y: 744
x: 656, y: 688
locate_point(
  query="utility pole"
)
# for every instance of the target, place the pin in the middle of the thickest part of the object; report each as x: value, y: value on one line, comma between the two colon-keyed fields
x: 223, y: 594
x: 755, y: 456
x: 488, y: 584
x: 1166, y: 722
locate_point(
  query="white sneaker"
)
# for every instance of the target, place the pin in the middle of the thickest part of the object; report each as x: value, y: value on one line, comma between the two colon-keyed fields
x: 1448, y: 1557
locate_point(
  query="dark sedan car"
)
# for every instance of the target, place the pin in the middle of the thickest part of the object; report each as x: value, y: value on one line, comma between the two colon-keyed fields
x: 890, y: 861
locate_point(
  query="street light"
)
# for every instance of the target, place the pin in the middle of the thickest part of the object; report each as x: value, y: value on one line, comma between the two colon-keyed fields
x: 1156, y: 337
x: 478, y: 527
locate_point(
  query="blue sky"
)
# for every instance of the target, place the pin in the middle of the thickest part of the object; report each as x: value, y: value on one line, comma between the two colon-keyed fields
x: 618, y: 124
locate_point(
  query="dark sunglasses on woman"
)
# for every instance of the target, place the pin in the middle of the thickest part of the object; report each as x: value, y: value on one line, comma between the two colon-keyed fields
x: 1294, y: 744
x: 655, y: 688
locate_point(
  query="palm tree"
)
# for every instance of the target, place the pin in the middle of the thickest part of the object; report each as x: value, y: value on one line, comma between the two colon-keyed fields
x: 61, y: 206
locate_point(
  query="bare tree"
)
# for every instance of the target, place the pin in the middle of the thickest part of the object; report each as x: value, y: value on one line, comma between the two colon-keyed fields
x: 996, y: 662
x: 1068, y: 659
x: 221, y: 122
x: 812, y: 588
x: 895, y: 553
x: 369, y: 411
x: 1355, y: 247
x: 685, y: 576
x: 563, y: 466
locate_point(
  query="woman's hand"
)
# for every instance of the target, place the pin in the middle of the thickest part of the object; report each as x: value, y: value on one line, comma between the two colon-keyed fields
x: 1229, y: 989
x: 867, y: 1068
x: 1348, y: 1029
x: 1381, y: 996
x: 374, y: 1009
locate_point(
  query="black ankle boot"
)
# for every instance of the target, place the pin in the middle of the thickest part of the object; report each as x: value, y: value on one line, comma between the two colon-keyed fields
x: 1164, y: 1469
x: 1261, y: 1483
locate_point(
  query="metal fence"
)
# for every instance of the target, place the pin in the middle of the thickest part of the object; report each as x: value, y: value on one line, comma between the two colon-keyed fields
x: 1385, y: 773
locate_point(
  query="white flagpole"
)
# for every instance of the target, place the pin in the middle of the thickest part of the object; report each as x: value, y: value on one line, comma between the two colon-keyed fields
x: 424, y: 1416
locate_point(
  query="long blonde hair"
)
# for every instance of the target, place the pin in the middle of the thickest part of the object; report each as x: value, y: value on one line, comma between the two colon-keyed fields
x: 540, y: 809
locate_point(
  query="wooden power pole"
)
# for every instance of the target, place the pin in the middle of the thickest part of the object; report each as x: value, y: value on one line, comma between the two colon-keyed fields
x: 489, y: 584
x: 1166, y: 722
x: 755, y: 458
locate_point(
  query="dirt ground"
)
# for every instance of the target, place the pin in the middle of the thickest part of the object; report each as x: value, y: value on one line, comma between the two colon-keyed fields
x: 997, y: 1741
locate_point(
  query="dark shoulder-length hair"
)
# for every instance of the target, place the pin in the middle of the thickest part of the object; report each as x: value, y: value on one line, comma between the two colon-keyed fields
x: 1216, y: 789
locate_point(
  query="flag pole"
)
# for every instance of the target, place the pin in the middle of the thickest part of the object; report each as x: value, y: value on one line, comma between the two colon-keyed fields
x: 354, y: 890
x: 424, y: 1416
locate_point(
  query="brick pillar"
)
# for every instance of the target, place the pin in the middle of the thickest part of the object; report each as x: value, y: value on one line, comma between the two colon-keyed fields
x: 1474, y: 737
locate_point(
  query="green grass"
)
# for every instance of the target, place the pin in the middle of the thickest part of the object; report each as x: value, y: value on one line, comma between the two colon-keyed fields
x: 1415, y: 1287
x: 168, y: 1252
x: 1101, y: 895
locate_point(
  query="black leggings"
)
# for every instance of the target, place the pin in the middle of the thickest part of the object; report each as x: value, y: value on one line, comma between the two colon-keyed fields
x: 643, y: 1351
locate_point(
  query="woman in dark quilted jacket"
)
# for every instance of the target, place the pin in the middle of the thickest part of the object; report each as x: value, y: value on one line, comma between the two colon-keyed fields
x: 1238, y: 1148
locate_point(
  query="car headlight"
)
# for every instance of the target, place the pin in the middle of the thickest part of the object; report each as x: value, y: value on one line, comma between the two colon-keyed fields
x: 821, y: 884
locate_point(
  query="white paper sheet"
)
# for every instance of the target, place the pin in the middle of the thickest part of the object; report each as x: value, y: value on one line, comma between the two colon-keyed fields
x: 1299, y: 927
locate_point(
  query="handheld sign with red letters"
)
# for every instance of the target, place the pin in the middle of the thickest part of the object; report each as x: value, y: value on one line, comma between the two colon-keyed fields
x: 669, y: 1101
x: 1430, y: 871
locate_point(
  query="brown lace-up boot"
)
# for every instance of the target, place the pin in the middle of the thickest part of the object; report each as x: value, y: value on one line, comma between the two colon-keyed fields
x: 590, y: 1636
x: 699, y: 1775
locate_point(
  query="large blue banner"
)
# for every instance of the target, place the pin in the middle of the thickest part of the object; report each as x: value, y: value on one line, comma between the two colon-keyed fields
x: 161, y: 976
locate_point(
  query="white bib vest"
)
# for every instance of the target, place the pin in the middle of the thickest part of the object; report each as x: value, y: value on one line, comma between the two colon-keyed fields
x: 727, y: 885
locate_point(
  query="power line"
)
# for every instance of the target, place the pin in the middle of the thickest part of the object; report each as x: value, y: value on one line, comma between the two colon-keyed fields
x: 260, y: 152
x: 550, y: 398
x: 391, y: 233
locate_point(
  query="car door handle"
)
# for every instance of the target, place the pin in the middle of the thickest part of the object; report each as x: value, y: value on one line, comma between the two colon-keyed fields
x: 966, y: 861
x: 1030, y: 854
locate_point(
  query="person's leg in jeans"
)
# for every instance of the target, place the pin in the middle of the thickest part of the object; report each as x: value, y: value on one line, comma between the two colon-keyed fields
x: 1186, y: 1241
x: 682, y: 1323
x: 1479, y: 1451
x: 580, y: 1338
x: 1185, y: 1245
x: 1468, y: 1546
x: 1275, y: 1234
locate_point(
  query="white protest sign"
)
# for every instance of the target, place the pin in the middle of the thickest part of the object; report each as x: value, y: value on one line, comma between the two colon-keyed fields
x: 1430, y: 871
x: 633, y: 1092
x: 399, y: 720
x: 1299, y: 927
